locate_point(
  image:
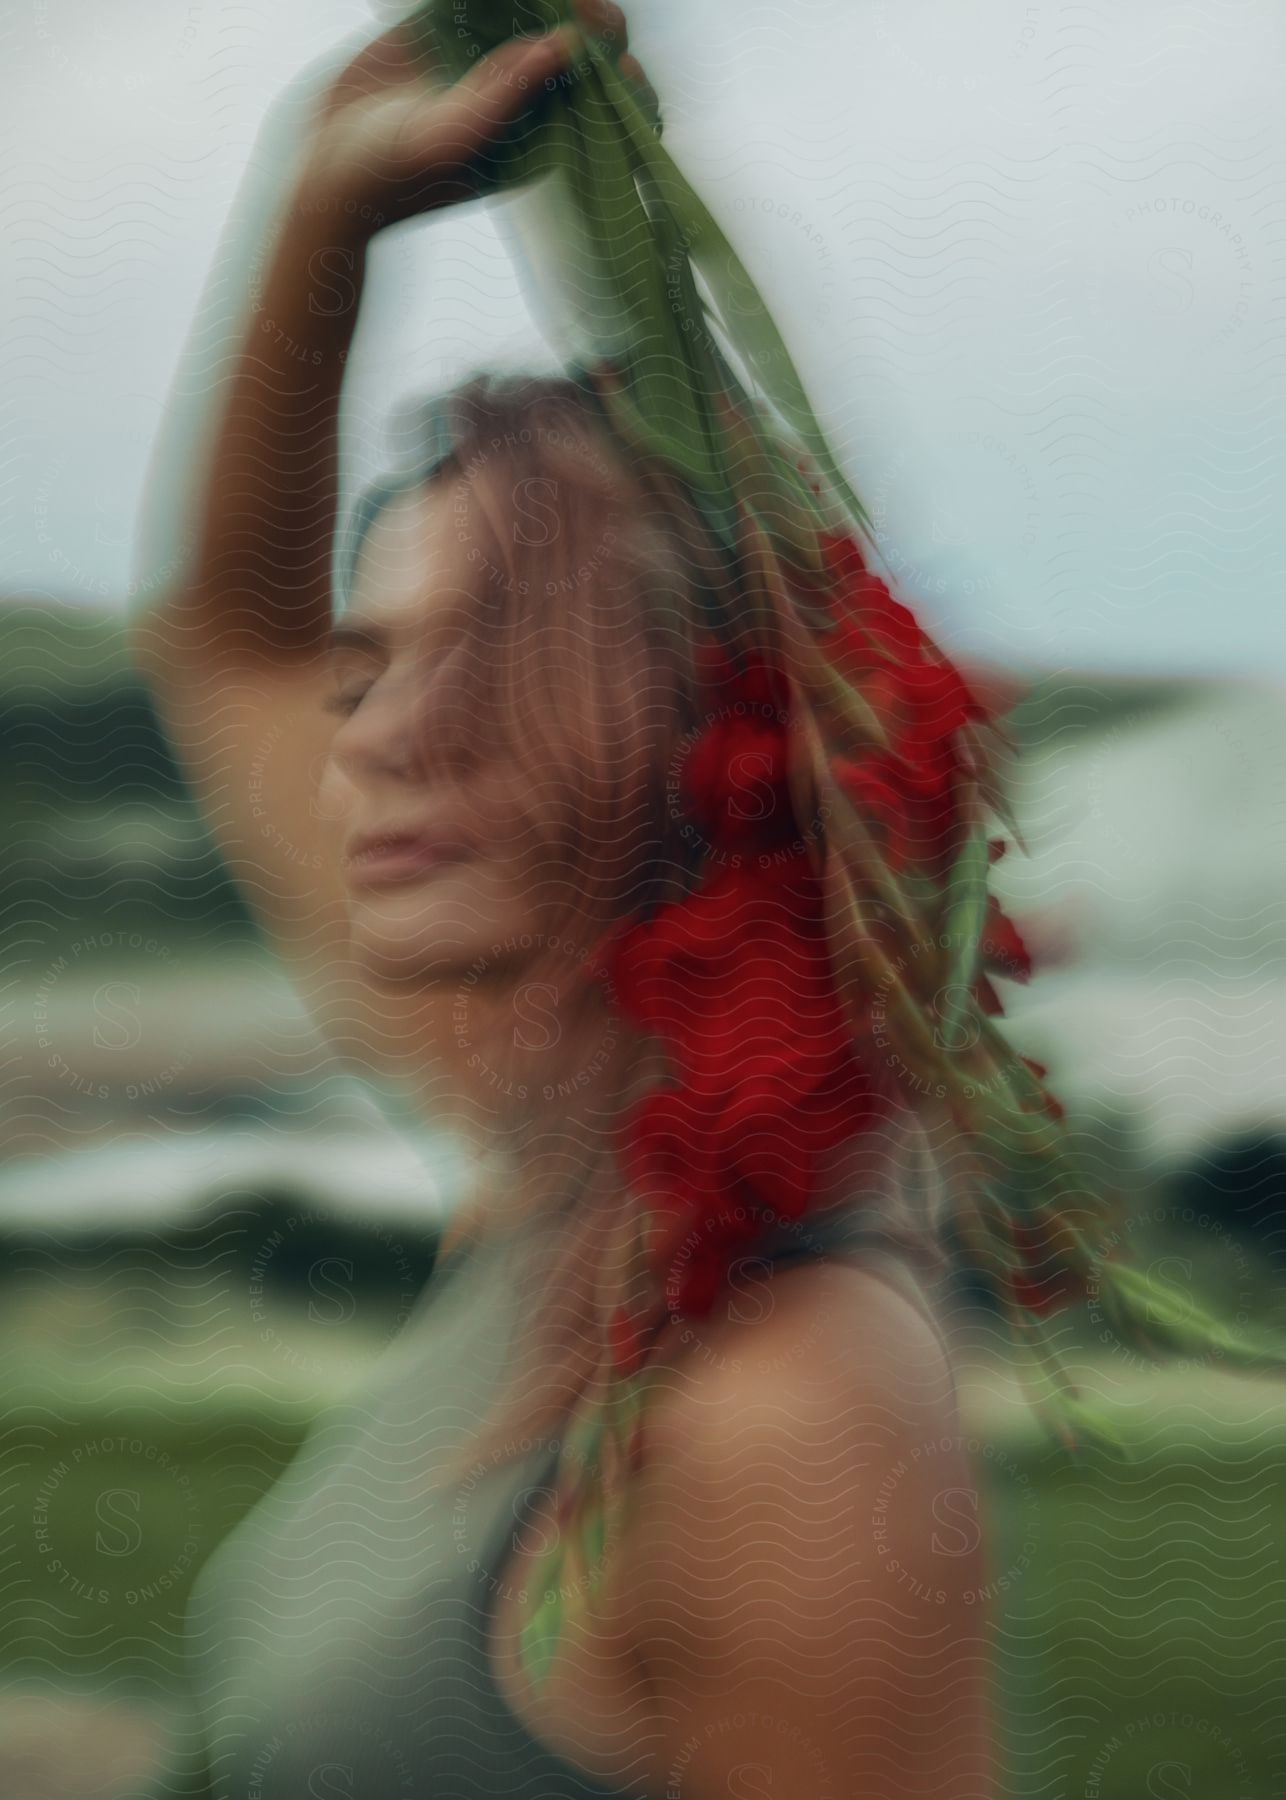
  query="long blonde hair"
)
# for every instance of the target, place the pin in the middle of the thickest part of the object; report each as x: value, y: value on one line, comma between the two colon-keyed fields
x: 589, y: 670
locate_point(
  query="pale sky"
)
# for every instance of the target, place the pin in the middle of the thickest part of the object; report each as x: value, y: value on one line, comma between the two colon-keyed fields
x: 1031, y: 259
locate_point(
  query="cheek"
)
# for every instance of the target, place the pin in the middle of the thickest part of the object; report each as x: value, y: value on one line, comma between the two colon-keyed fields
x: 507, y: 808
x: 333, y: 794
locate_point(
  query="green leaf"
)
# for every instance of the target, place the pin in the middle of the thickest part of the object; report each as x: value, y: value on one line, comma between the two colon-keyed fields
x: 965, y: 913
x: 540, y: 1634
x: 633, y: 235
x: 1075, y: 1422
x: 1144, y: 1305
x: 660, y: 375
x: 731, y: 288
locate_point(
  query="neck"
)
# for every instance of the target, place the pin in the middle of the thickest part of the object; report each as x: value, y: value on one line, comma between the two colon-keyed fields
x: 529, y: 1072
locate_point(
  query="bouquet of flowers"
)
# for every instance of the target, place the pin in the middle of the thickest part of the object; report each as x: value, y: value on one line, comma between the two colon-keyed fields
x: 871, y: 940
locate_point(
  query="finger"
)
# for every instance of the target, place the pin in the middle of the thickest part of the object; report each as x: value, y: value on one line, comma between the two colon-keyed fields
x: 604, y: 19
x: 502, y: 84
x: 511, y: 75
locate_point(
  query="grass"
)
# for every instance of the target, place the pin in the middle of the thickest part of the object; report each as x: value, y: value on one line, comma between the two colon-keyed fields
x: 1140, y: 1648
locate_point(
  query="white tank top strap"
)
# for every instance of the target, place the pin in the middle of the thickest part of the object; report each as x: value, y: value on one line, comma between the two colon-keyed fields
x: 895, y: 1264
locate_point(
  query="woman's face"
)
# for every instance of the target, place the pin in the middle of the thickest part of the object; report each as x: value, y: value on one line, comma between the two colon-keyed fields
x: 441, y: 858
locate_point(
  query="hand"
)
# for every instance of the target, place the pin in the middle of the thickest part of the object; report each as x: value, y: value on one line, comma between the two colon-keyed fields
x: 392, y: 138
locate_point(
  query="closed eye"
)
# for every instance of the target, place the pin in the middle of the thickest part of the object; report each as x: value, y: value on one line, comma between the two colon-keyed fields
x: 355, y: 650
x: 346, y: 702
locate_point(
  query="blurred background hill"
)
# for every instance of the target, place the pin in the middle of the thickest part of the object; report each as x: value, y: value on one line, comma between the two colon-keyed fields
x: 1152, y: 894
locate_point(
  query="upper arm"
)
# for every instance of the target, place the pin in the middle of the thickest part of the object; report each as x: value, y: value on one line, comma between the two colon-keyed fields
x: 805, y: 1564
x: 252, y: 739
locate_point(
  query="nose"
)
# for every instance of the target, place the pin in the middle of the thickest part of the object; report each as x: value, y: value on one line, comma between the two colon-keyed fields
x: 411, y: 725
x: 377, y: 738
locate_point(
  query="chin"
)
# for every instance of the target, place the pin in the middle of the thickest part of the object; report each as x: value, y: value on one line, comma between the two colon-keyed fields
x: 434, y: 928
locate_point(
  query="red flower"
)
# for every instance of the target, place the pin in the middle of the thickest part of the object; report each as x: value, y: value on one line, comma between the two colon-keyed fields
x: 1003, y: 950
x: 767, y: 1078
x: 870, y: 607
x: 736, y: 981
x: 1049, y: 1104
x: 922, y: 702
x: 736, y: 782
x: 987, y: 998
x: 777, y: 1130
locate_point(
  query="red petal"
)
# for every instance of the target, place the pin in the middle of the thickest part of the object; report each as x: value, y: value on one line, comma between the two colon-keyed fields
x: 1003, y: 950
x: 735, y: 783
x: 988, y: 998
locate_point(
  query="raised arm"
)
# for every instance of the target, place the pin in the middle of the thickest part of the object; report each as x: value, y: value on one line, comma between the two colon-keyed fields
x: 382, y: 144
x: 233, y: 647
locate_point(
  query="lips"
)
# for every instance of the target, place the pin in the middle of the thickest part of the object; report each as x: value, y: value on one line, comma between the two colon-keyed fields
x: 378, y: 857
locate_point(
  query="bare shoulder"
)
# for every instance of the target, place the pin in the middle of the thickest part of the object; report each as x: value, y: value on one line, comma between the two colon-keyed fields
x: 785, y: 1558
x: 796, y: 1345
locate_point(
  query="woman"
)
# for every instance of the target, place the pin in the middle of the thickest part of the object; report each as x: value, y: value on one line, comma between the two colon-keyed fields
x: 442, y: 804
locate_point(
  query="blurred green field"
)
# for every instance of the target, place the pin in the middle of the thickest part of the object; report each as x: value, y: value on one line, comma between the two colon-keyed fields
x: 1140, y: 1644
x: 1137, y: 1604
